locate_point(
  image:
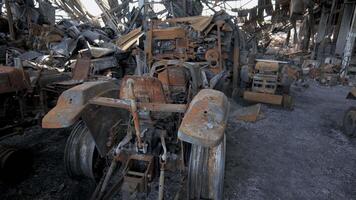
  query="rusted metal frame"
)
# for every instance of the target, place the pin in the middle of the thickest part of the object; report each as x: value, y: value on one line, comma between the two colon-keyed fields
x: 163, y: 160
x: 148, y: 49
x: 126, y: 104
x: 161, y: 34
x: 236, y: 62
x: 218, y: 26
x: 139, y: 179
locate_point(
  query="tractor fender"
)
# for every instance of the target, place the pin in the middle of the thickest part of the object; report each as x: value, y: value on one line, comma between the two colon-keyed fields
x: 73, y: 101
x: 205, y: 121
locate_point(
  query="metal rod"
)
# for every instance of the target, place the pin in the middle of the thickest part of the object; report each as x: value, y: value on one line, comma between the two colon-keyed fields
x: 126, y: 104
x: 107, y: 178
x: 163, y: 163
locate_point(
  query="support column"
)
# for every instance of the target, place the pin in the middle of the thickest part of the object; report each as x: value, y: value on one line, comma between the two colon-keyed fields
x: 10, y: 19
x: 344, y: 28
x: 349, y: 48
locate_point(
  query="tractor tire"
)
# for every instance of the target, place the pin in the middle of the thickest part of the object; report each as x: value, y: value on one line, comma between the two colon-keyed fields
x: 81, y: 157
x: 206, y: 172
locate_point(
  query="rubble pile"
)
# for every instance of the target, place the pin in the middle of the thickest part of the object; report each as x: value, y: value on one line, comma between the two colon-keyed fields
x: 55, y: 56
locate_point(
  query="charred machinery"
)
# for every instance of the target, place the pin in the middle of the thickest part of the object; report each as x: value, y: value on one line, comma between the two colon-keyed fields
x: 14, y: 85
x: 268, y: 82
x: 128, y: 135
x: 23, y: 99
x: 20, y: 100
x: 210, y: 42
x: 131, y: 136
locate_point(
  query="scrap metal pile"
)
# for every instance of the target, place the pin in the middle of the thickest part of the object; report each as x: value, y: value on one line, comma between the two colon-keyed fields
x: 50, y: 57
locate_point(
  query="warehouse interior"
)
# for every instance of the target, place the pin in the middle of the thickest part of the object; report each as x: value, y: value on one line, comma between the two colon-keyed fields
x: 177, y: 99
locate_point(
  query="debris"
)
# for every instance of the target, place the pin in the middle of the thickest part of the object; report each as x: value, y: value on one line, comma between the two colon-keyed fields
x: 16, y: 164
x: 250, y: 113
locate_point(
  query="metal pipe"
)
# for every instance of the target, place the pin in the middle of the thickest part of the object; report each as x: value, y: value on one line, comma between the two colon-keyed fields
x: 163, y: 164
x: 126, y: 104
x: 218, y: 26
x: 161, y: 184
x: 107, y: 178
x: 164, y: 155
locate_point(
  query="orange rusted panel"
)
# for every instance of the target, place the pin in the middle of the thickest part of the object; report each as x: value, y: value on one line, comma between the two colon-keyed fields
x: 267, y: 66
x: 128, y: 40
x: 173, y: 76
x: 146, y: 89
x: 198, y: 23
x: 168, y: 33
x: 263, y: 98
x: 13, y: 79
x: 174, y: 80
x: 205, y: 121
x: 72, y: 102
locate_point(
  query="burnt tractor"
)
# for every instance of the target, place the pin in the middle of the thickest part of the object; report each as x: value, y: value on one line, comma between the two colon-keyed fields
x: 14, y: 85
x: 128, y: 137
x: 20, y: 103
x: 349, y: 121
x: 268, y: 82
x: 209, y: 45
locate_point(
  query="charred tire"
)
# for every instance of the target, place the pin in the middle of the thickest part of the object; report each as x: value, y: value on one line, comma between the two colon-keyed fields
x: 349, y: 122
x: 206, y: 172
x: 80, y: 155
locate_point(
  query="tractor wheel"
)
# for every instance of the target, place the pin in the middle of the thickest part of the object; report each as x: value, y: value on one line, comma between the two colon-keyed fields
x: 81, y: 157
x: 206, y: 172
x: 349, y: 122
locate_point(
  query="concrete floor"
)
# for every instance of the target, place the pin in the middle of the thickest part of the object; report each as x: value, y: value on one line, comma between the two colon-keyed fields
x: 299, y: 154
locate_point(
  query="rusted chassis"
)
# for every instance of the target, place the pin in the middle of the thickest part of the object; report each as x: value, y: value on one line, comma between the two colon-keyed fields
x: 202, y: 126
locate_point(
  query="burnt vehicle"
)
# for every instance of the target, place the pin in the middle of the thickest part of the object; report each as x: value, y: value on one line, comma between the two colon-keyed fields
x: 20, y: 96
x: 14, y: 85
x: 210, y: 43
x: 268, y: 82
x: 131, y: 134
x: 127, y: 137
